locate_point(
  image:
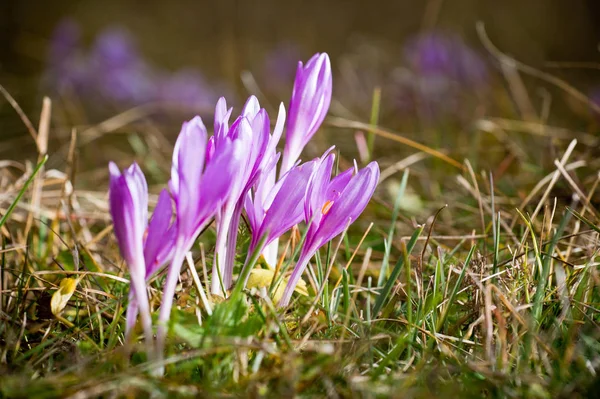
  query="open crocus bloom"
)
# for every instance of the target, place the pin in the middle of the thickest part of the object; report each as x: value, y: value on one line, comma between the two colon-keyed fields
x: 309, y: 104
x: 331, y: 205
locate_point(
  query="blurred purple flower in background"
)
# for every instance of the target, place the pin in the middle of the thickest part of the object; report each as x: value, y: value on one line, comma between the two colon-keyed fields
x: 279, y: 69
x: 66, y: 71
x: 441, y: 73
x: 118, y: 71
x: 188, y: 88
x: 114, y: 71
x: 437, y: 54
x: 594, y: 96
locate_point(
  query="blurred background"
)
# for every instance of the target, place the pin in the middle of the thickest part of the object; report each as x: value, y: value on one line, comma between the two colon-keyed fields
x: 152, y: 64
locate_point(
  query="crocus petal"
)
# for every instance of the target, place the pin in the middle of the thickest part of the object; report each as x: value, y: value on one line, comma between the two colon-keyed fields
x: 309, y: 104
x: 251, y: 107
x: 277, y: 132
x: 222, y: 115
x: 186, y: 173
x: 317, y: 188
x: 338, y: 184
x: 230, y: 212
x: 127, y: 199
x: 216, y: 182
x: 351, y: 203
x: 160, y: 240
x: 286, y: 209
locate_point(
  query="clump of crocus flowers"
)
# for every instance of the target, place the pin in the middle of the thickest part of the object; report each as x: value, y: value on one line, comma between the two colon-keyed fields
x: 237, y: 171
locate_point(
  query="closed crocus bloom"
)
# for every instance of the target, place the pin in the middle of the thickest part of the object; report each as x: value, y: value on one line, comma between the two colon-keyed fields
x: 309, y: 104
x: 128, y: 199
x: 331, y: 206
x: 226, y: 218
x: 251, y: 130
x: 158, y: 248
x: 199, y: 189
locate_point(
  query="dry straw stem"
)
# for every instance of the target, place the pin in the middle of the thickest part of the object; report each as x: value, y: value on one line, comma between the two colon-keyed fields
x: 349, y: 124
x: 507, y: 60
x: 42, y: 146
x: 325, y: 279
x: 13, y: 103
x: 539, y: 129
x: 549, y: 187
x: 200, y: 289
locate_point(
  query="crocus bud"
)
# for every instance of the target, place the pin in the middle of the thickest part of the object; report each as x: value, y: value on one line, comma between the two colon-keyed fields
x: 309, y: 104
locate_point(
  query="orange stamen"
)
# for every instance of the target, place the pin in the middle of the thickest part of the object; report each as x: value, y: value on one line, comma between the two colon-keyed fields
x: 326, y: 207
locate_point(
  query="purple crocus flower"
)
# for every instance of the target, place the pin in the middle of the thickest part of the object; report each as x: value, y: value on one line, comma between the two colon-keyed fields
x: 66, y: 66
x: 187, y: 89
x: 279, y: 67
x: 442, y: 73
x: 199, y: 188
x: 158, y: 248
x: 309, y: 104
x: 65, y: 41
x: 331, y: 205
x: 128, y: 199
x: 119, y: 72
x: 445, y: 55
x: 594, y: 96
x: 273, y: 209
x: 251, y: 130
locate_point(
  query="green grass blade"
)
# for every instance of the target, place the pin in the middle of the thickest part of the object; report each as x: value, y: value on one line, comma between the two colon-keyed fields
x: 22, y: 191
x: 385, y: 292
x: 388, y: 242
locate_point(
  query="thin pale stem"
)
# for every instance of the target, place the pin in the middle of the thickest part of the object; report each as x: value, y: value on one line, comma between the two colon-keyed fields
x: 231, y: 244
x: 131, y: 314
x: 220, y: 258
x: 293, y: 280
x: 167, y: 300
x: 248, y: 266
x: 139, y: 287
x: 270, y: 252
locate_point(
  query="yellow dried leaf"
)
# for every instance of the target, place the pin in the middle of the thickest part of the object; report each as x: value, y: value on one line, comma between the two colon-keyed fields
x: 262, y: 278
x: 61, y: 296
